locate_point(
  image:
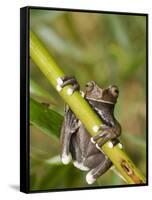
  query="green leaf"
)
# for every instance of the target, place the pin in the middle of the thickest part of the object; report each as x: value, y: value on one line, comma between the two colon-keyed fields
x: 38, y: 91
x: 45, y: 119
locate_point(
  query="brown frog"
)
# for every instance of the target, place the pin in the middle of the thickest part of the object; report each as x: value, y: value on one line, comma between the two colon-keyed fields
x: 76, y: 142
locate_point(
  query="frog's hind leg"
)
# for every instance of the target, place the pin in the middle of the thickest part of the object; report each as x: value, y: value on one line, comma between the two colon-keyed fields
x: 95, y: 173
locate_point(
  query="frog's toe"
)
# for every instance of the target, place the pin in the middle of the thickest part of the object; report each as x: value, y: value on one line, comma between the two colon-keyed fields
x: 89, y: 178
x: 110, y: 144
x: 92, y: 140
x: 98, y: 147
x: 66, y: 159
x: 70, y: 91
x: 67, y: 80
x: 80, y: 166
x: 120, y: 146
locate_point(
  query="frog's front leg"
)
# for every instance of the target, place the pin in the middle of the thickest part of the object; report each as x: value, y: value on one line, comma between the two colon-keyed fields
x: 107, y: 133
x: 70, y: 124
x: 69, y: 80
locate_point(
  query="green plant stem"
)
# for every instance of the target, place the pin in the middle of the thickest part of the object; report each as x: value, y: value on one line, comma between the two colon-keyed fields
x: 83, y: 111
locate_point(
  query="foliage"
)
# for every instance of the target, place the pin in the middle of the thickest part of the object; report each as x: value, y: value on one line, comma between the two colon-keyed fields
x: 108, y: 49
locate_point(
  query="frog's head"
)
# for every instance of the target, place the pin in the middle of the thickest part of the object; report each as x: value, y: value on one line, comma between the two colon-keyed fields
x: 105, y: 95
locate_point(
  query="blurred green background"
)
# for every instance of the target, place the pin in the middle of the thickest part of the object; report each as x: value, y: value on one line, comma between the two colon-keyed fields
x: 106, y: 48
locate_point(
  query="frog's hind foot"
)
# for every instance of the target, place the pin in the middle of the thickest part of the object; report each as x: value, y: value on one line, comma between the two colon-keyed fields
x: 95, y: 173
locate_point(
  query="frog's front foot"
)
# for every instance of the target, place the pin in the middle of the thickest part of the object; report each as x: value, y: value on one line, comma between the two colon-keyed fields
x: 106, y: 134
x: 68, y: 80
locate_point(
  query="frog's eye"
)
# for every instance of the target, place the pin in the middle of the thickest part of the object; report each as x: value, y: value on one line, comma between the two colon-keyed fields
x: 114, y: 91
x: 89, y: 86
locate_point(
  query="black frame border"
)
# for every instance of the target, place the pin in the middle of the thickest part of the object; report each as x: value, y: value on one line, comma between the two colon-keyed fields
x: 25, y: 94
x: 24, y: 100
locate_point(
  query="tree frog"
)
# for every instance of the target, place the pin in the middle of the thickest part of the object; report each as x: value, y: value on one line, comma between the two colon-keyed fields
x: 76, y: 142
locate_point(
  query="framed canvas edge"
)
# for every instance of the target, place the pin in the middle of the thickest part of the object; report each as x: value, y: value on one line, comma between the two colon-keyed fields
x: 24, y: 99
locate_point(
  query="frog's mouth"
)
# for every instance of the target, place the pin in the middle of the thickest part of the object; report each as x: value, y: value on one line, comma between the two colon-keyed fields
x: 100, y: 100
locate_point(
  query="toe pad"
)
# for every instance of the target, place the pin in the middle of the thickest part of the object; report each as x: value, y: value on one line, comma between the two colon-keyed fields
x: 89, y: 178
